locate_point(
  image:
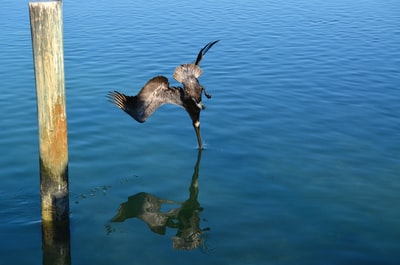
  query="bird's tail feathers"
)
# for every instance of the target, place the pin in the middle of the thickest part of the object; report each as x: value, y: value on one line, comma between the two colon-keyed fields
x: 186, y: 70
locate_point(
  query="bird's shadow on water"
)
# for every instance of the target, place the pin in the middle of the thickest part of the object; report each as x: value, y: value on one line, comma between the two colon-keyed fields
x: 184, y: 217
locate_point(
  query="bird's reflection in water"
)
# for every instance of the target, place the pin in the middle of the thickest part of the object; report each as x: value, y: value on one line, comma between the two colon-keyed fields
x: 185, y: 217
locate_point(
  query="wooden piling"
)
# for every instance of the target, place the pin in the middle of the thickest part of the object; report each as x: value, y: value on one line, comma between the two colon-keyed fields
x: 48, y: 55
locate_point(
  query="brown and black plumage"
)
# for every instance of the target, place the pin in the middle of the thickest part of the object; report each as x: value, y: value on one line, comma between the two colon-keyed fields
x: 157, y: 92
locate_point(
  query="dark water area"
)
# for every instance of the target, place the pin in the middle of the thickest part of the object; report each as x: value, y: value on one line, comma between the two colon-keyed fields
x: 302, y: 145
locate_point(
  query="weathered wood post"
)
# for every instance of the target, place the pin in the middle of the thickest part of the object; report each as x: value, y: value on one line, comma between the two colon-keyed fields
x: 48, y: 56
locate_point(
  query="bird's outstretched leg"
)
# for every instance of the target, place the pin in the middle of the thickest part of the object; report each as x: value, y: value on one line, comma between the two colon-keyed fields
x: 196, y: 126
x: 206, y: 94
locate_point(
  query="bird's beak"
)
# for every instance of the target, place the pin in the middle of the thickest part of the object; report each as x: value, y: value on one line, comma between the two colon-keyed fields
x: 197, y: 129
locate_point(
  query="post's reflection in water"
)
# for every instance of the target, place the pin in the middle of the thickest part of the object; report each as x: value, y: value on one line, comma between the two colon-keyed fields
x: 56, y: 243
x: 185, y: 217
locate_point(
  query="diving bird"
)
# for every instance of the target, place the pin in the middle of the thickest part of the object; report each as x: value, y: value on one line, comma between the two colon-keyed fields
x: 157, y: 92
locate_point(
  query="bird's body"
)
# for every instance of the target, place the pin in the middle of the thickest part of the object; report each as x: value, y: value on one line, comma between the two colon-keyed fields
x: 157, y: 92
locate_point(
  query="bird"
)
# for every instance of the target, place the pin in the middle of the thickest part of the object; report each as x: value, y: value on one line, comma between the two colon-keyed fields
x: 157, y: 92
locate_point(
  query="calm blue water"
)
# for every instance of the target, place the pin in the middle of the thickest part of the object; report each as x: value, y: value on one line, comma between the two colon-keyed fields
x: 302, y: 158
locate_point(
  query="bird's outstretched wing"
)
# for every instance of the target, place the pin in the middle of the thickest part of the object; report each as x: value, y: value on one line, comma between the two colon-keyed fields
x: 204, y: 51
x: 155, y: 93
